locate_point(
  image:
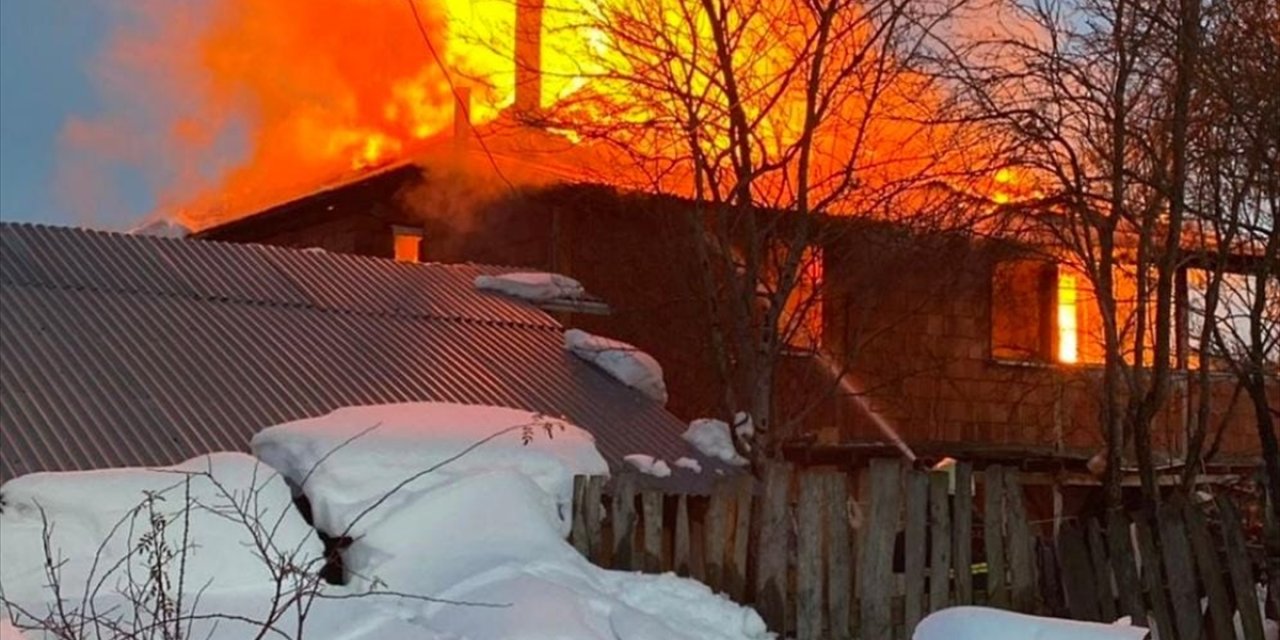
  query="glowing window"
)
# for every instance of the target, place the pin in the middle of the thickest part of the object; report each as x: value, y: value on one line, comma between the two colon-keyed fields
x: 407, y: 244
x: 1068, y: 323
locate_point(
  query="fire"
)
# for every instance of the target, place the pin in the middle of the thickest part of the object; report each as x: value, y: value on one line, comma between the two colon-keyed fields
x: 258, y: 101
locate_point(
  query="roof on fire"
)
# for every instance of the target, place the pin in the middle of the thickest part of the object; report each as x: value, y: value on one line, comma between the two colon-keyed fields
x: 125, y: 350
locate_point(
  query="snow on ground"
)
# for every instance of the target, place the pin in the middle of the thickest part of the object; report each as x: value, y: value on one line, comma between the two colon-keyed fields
x: 981, y: 623
x: 648, y: 464
x: 690, y: 464
x: 711, y: 437
x: 627, y: 364
x: 532, y: 286
x: 484, y: 529
x: 473, y: 550
x: 108, y: 509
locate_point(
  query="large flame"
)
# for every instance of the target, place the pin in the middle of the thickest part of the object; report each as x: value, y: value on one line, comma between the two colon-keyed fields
x: 239, y: 104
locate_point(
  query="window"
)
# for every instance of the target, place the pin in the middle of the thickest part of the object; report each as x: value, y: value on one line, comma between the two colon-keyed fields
x: 407, y: 243
x: 1068, y: 312
x: 1232, y: 317
x: 1022, y: 298
x: 801, y: 321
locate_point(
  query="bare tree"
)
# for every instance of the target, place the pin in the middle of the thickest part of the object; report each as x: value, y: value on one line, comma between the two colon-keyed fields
x: 777, y: 123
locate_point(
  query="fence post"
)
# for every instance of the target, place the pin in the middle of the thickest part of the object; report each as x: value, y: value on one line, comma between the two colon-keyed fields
x: 1022, y: 566
x: 1101, y: 571
x: 651, y: 509
x: 963, y: 533
x: 624, y: 522
x: 680, y: 545
x: 940, y: 540
x: 1077, y: 574
x: 1242, y: 580
x: 591, y: 517
x: 1153, y: 578
x: 772, y: 550
x: 875, y: 561
x: 993, y: 515
x: 578, y: 532
x: 1124, y: 567
x: 914, y: 546
x: 1210, y: 568
x: 839, y: 559
x: 716, y: 534
x: 736, y: 574
x: 1180, y: 572
x: 810, y: 607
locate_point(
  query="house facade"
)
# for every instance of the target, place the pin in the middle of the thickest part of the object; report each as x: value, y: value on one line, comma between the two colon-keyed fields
x: 963, y: 347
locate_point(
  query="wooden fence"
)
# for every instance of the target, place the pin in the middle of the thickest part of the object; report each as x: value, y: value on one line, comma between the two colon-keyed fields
x: 828, y: 555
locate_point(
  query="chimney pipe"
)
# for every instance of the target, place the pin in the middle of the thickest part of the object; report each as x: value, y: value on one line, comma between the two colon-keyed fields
x: 462, y: 116
x: 528, y: 52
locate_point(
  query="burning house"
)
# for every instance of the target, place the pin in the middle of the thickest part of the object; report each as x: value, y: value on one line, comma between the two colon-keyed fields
x: 926, y: 343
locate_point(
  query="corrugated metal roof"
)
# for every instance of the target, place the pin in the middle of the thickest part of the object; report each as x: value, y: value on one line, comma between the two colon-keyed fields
x: 119, y: 350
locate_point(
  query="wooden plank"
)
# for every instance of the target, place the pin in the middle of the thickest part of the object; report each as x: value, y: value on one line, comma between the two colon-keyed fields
x: 1240, y: 569
x: 578, y: 532
x: 914, y: 546
x: 1180, y: 572
x: 1101, y: 571
x: 1153, y: 579
x: 1049, y: 579
x: 717, y: 534
x: 1211, y: 574
x: 993, y: 517
x: 940, y: 540
x: 624, y: 522
x: 1078, y: 578
x: 875, y: 558
x: 771, y: 547
x: 680, y: 551
x: 736, y: 573
x: 651, y: 549
x: 810, y: 606
x: 592, y: 518
x: 962, y: 533
x: 1124, y: 567
x: 839, y: 557
x: 1022, y: 572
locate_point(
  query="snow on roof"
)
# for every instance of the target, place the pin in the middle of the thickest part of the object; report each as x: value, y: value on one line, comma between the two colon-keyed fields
x: 532, y: 286
x: 626, y: 363
x: 649, y: 465
x: 711, y: 437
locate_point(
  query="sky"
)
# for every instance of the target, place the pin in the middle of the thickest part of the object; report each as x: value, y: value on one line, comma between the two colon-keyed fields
x: 47, y: 48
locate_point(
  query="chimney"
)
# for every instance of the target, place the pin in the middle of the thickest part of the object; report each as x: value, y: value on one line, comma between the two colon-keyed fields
x: 528, y: 56
x: 462, y: 116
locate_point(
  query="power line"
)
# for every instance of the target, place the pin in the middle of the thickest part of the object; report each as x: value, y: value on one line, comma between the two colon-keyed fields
x: 457, y: 98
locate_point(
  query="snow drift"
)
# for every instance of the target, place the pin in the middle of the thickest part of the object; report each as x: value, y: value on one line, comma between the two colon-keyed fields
x: 456, y: 513
x: 981, y: 623
x: 486, y: 528
x: 98, y: 520
x: 624, y: 362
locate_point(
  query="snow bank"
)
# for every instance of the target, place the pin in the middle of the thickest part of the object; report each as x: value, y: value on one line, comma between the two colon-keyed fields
x: 532, y: 286
x: 354, y: 456
x: 981, y: 623
x: 627, y: 364
x: 711, y: 437
x: 647, y: 464
x: 107, y: 514
x: 487, y: 529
